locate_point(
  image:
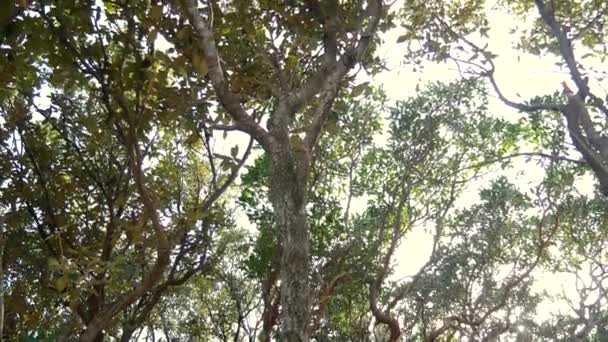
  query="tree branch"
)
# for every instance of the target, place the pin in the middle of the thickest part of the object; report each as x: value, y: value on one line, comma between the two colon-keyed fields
x: 489, y: 73
x: 519, y: 106
x: 330, y: 84
x: 384, y: 316
x: 525, y: 154
x: 163, y: 247
x: 565, y: 48
x: 229, y: 100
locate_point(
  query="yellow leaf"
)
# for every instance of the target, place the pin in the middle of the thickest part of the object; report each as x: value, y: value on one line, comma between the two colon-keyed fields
x: 156, y: 12
x: 199, y: 63
x: 60, y: 283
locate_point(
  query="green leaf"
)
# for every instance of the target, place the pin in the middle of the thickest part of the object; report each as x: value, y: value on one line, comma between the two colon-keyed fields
x: 60, y: 283
x: 156, y: 12
x: 331, y: 127
x: 53, y: 263
x: 358, y: 89
x: 152, y: 35
x: 192, y: 139
x: 200, y: 64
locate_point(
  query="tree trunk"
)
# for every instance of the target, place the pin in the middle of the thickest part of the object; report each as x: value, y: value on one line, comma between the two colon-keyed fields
x: 288, y: 188
x: 91, y: 307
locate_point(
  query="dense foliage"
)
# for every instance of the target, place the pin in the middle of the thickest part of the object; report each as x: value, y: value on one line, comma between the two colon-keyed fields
x: 230, y: 170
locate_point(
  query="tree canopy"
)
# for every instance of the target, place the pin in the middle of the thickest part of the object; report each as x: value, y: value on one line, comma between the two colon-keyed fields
x: 234, y: 170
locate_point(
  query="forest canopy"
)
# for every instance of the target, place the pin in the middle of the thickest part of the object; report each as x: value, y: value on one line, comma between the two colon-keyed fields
x: 203, y: 170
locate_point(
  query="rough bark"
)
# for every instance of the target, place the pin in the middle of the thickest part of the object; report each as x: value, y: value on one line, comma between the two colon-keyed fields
x: 385, y: 317
x: 288, y: 196
x: 586, y: 139
x: 290, y: 155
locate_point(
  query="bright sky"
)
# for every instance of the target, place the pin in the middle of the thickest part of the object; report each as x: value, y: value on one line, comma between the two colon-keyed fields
x: 516, y: 73
x: 527, y: 76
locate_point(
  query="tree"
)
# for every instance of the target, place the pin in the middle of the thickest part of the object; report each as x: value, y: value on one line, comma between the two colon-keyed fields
x: 338, y: 247
x: 124, y: 125
x: 307, y: 89
x: 355, y: 257
x: 103, y: 156
x: 572, y: 31
x: 559, y: 28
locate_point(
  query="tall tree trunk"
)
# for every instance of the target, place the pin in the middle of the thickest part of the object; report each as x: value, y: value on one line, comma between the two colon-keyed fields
x: 288, y: 196
x: 290, y: 155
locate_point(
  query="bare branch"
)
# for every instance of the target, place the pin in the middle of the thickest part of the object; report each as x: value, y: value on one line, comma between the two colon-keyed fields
x: 519, y: 106
x: 565, y: 47
x: 489, y: 73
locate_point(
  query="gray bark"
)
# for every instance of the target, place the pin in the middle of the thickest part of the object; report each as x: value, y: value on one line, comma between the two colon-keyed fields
x: 288, y: 196
x: 290, y: 160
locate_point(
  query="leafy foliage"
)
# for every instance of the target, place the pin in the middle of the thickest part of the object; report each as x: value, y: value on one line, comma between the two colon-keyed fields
x: 123, y: 215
